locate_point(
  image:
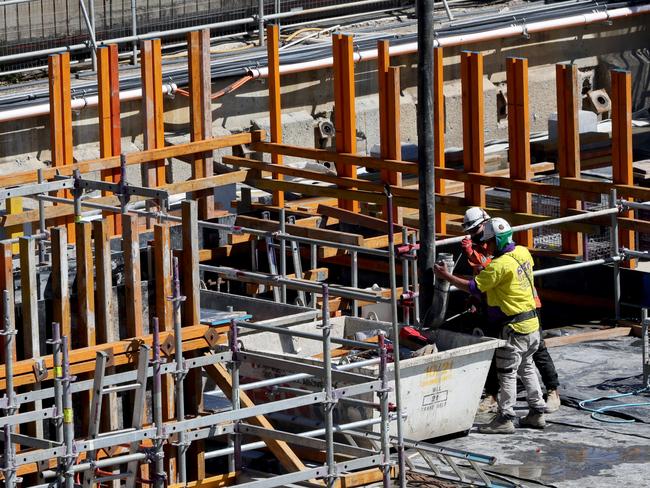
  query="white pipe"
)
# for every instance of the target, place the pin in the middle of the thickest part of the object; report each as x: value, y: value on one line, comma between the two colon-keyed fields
x: 462, y: 39
x: 409, y: 48
x: 76, y: 104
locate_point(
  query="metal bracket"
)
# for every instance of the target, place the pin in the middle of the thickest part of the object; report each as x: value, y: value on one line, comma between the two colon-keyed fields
x: 40, y: 370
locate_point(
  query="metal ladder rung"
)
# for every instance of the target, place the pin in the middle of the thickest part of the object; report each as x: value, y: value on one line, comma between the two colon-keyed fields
x: 121, y: 388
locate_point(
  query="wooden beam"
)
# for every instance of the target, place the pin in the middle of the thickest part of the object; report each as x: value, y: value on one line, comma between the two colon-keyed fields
x: 519, y: 139
x: 473, y: 123
x: 275, y: 100
x: 30, y: 332
x: 344, y: 111
x: 60, y: 282
x: 568, y: 145
x: 598, y: 335
x: 622, y: 145
x: 7, y: 283
x: 366, y: 221
x: 14, y: 207
x: 86, y: 332
x: 280, y: 449
x: 132, y: 276
x: 139, y: 157
x: 201, y: 112
x: 153, y: 174
x: 439, y: 131
x: 110, y: 142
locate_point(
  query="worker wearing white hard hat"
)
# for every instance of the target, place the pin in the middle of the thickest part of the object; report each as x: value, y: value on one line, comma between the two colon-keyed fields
x: 475, y: 251
x: 508, y: 285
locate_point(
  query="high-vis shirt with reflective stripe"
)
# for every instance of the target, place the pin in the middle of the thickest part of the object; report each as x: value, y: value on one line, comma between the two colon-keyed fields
x: 507, y: 286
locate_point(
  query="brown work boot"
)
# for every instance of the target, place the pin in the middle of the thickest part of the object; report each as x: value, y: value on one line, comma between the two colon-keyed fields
x: 552, y: 401
x: 533, y: 420
x: 488, y: 405
x: 499, y: 425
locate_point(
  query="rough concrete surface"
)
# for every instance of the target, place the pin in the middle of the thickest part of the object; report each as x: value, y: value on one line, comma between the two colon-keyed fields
x: 576, y: 451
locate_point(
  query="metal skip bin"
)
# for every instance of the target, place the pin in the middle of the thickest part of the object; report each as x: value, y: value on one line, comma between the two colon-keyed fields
x: 440, y: 391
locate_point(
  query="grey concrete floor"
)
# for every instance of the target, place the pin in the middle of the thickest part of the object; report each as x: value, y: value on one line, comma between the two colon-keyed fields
x: 576, y: 450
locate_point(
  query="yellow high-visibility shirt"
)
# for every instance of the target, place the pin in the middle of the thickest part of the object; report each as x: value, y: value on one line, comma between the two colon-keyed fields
x: 507, y: 285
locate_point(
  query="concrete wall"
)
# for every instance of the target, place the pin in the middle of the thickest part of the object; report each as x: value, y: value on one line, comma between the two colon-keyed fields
x: 307, y: 97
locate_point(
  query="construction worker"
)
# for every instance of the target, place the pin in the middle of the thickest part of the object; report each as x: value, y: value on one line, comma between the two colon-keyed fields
x: 507, y: 282
x: 478, y: 258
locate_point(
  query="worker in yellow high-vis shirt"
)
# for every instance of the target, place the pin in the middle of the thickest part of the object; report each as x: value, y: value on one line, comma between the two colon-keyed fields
x: 507, y: 282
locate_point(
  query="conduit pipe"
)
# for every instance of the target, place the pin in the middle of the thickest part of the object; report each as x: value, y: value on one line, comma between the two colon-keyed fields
x: 519, y: 29
x: 78, y: 103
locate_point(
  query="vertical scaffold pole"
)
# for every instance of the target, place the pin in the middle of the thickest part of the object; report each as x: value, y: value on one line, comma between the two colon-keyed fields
x: 160, y: 476
x: 235, y: 400
x: 9, y: 451
x: 383, y: 402
x: 395, y: 332
x: 615, y: 253
x: 329, y: 403
x: 180, y: 373
x: 68, y: 417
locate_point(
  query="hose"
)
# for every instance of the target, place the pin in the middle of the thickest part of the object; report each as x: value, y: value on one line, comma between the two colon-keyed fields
x: 596, y: 413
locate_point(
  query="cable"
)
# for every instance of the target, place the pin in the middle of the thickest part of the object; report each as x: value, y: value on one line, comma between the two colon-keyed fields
x: 595, y: 412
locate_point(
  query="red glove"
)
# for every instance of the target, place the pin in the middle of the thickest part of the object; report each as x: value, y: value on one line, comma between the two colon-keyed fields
x: 466, y: 245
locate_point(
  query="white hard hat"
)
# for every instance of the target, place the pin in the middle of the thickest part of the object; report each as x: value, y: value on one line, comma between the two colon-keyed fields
x: 474, y: 217
x: 499, y: 228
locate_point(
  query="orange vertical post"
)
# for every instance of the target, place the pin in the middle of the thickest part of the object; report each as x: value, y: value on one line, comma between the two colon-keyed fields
x: 473, y: 123
x: 568, y: 145
x: 61, y: 120
x: 110, y: 143
x: 439, y: 131
x: 519, y: 139
x: 344, y: 109
x: 7, y: 283
x: 622, y: 145
x: 201, y: 112
x: 152, y: 109
x: 389, y: 119
x: 275, y: 102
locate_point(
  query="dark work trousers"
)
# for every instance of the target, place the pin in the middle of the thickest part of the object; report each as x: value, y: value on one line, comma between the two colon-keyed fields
x: 542, y: 360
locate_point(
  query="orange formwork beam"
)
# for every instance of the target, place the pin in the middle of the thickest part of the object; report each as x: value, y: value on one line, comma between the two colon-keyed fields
x: 519, y: 139
x: 471, y: 64
x: 275, y: 102
x: 439, y: 131
x: 568, y: 144
x: 152, y: 109
x: 622, y: 145
x: 344, y: 108
x: 61, y: 121
x: 389, y: 119
x: 110, y: 142
x: 198, y: 43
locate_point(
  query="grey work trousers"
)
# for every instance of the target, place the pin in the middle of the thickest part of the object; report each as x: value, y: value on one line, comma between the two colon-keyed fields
x: 517, y: 357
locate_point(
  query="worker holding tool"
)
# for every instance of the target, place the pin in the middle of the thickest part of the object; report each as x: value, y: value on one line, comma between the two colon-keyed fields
x: 478, y: 258
x: 507, y: 282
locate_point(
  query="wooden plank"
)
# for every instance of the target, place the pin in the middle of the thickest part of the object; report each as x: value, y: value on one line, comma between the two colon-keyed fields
x: 345, y: 112
x: 622, y: 153
x: 159, y: 120
x: 66, y: 115
x: 275, y: 101
x: 439, y: 131
x: 30, y: 333
x: 164, y: 307
x: 568, y: 145
x: 7, y: 283
x: 366, y: 221
x: 363, y: 478
x: 104, y: 282
x: 394, y: 133
x: 86, y: 332
x: 172, y: 188
x: 60, y: 281
x: 280, y: 449
x: 119, y: 353
x: 324, y: 234
x: 218, y: 481
x: 519, y: 139
x: 132, y: 276
x: 140, y: 157
x: 14, y: 207
x: 598, y: 335
x: 473, y: 123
